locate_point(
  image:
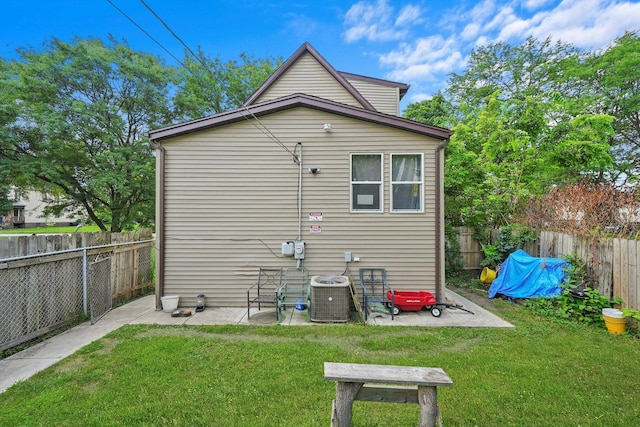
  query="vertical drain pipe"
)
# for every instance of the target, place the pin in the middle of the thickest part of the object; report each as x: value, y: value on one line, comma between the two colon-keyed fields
x: 160, y: 226
x: 299, y: 161
x: 439, y: 219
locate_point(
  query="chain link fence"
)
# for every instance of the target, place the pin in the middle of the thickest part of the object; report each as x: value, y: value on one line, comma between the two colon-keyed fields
x: 41, y: 293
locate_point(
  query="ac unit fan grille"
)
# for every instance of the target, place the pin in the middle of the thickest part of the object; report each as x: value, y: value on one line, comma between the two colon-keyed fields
x: 330, y: 303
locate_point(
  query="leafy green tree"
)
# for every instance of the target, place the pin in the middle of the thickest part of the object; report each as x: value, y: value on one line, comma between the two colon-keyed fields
x: 8, y: 114
x: 435, y: 111
x: 211, y: 85
x: 73, y: 118
x: 5, y: 202
x: 526, y: 124
x: 533, y: 70
x: 80, y: 112
x: 493, y: 168
x: 614, y: 77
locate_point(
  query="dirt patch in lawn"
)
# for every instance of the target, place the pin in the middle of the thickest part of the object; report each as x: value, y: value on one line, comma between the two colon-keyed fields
x: 477, y: 296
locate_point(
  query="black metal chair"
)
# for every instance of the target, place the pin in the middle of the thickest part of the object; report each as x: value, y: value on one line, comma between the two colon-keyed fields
x: 265, y: 291
x: 375, y: 288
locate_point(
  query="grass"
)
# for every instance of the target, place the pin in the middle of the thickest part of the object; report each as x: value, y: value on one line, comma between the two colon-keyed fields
x: 52, y: 230
x: 544, y: 372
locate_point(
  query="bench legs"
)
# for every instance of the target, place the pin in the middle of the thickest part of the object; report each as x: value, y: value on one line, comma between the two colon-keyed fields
x: 428, y: 401
x: 343, y: 405
x: 347, y: 392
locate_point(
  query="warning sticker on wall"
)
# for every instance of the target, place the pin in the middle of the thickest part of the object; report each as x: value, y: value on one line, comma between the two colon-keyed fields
x: 315, y: 229
x: 315, y: 216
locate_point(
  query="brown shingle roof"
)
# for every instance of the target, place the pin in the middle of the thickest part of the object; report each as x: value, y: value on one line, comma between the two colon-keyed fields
x: 294, y: 101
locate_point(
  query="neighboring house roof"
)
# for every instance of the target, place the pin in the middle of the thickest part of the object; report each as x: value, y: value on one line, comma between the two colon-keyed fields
x: 299, y: 100
x: 306, y: 48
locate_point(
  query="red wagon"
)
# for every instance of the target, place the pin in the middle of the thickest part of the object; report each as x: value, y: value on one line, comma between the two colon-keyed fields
x: 415, y: 301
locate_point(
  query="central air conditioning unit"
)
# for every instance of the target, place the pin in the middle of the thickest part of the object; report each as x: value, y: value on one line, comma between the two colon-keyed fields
x: 330, y: 299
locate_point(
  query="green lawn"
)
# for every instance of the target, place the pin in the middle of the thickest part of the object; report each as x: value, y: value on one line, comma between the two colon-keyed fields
x: 50, y: 230
x: 543, y: 373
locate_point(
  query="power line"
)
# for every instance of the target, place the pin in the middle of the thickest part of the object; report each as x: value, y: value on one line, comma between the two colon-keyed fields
x: 263, y: 128
x: 146, y: 33
x: 257, y: 123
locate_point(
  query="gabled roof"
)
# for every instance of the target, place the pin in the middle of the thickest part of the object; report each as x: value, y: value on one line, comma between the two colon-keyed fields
x: 307, y: 48
x: 293, y: 101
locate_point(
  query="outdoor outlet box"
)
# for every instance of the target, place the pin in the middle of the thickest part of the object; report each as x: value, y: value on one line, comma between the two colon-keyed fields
x: 288, y: 249
x: 299, y: 249
x: 347, y: 257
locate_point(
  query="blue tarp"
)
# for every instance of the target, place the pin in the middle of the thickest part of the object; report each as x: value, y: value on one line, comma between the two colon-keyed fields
x: 524, y: 276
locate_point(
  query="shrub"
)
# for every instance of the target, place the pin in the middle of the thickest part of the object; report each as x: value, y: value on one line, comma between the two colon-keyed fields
x: 452, y: 255
x: 579, y: 300
x: 508, y: 239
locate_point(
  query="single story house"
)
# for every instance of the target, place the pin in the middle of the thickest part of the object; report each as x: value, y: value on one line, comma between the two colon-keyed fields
x: 316, y: 158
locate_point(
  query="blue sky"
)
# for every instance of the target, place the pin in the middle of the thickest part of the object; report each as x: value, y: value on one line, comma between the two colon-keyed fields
x: 416, y: 42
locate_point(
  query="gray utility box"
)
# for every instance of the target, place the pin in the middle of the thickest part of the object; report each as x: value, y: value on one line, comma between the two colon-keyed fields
x: 330, y: 299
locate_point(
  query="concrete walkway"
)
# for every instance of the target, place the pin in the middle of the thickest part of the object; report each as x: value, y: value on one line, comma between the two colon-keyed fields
x: 23, y: 365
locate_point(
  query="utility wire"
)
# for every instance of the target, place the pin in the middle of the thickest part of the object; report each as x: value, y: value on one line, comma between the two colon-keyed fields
x: 257, y: 122
x: 147, y: 34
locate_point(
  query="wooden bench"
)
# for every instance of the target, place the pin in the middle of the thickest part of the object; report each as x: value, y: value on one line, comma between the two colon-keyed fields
x: 384, y: 383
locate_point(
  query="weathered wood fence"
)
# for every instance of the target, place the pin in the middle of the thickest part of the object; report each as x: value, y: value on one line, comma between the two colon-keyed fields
x: 15, y: 246
x: 613, y: 262
x: 470, y: 249
x: 48, y: 281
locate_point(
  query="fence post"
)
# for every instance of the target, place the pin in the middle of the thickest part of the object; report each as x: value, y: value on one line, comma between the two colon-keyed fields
x: 84, y: 281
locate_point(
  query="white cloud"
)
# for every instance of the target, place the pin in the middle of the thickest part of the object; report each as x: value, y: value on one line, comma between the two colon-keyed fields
x: 481, y: 12
x: 470, y: 31
x: 504, y: 17
x: 370, y: 21
x: 482, y: 41
x: 589, y: 24
x: 444, y: 45
x: 535, y: 4
x: 408, y: 15
x: 428, y: 71
x: 374, y: 21
x: 423, y: 59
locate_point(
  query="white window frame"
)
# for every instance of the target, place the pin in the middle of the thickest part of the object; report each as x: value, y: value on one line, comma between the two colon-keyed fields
x: 419, y: 182
x: 379, y: 183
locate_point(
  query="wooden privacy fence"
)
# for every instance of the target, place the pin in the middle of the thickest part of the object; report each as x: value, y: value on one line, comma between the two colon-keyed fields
x: 612, y: 262
x: 470, y: 249
x: 46, y: 289
x: 15, y: 246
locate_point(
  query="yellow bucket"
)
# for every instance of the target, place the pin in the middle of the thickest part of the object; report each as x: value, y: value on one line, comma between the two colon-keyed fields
x: 615, y: 325
x: 487, y: 275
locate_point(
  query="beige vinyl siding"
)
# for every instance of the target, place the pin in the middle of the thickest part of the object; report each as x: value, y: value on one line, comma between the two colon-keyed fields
x: 231, y: 201
x: 308, y: 76
x: 385, y: 99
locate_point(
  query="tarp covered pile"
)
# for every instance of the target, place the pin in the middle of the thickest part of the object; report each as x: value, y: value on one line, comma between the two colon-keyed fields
x: 524, y: 276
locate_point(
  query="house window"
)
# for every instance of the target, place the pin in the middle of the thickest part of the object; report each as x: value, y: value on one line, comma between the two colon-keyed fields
x: 406, y: 183
x: 366, y: 182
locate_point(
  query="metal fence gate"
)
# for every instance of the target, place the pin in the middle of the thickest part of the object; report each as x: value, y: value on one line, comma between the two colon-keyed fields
x: 99, y: 287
